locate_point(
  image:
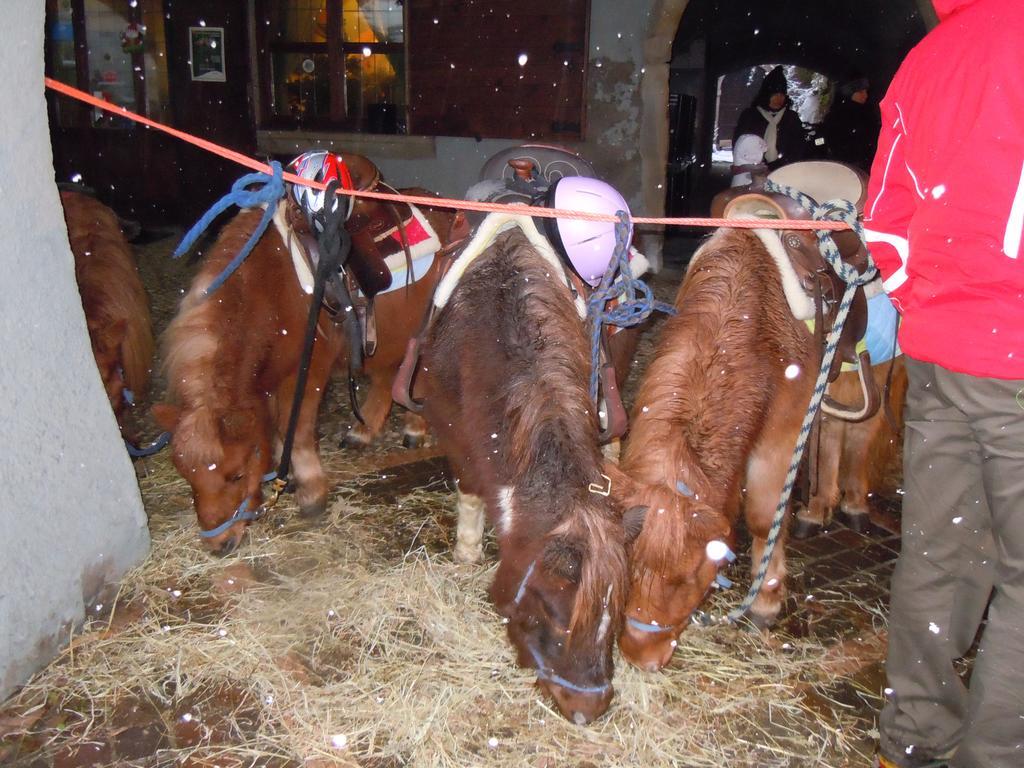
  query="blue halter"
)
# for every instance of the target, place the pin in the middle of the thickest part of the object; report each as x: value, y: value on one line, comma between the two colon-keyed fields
x: 695, y: 617
x: 242, y: 513
x: 543, y: 671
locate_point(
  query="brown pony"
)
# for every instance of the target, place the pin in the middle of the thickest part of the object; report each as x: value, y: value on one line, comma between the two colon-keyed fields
x: 852, y: 456
x: 232, y: 360
x: 399, y: 312
x: 716, y: 416
x: 115, y: 303
x: 504, y: 378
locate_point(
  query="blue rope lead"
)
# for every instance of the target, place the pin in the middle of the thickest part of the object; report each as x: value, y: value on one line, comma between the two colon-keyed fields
x: 270, y: 191
x: 629, y: 311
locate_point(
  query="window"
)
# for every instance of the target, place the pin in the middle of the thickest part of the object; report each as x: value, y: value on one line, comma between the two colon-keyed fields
x: 334, y: 64
x: 497, y: 68
x: 113, y: 49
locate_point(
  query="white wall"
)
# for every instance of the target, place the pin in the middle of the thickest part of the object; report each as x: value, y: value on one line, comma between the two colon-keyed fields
x: 71, y: 518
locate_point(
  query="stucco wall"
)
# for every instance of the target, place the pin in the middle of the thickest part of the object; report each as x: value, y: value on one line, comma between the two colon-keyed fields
x: 71, y: 518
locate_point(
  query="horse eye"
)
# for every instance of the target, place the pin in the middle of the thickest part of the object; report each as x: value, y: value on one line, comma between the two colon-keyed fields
x: 236, y: 478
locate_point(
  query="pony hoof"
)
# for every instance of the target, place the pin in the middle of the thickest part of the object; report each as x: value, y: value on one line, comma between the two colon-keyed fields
x: 855, y: 521
x: 757, y: 623
x: 804, y: 529
x: 314, y: 509
x: 412, y: 441
x: 354, y: 441
x: 468, y: 555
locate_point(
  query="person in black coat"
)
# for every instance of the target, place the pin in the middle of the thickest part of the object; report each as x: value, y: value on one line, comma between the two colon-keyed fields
x: 771, y: 117
x: 852, y: 125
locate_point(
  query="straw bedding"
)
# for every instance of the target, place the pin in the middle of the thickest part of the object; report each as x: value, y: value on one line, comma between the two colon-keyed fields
x: 354, y: 640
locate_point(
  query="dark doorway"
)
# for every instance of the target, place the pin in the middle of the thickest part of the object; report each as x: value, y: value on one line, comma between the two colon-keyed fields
x: 717, y: 38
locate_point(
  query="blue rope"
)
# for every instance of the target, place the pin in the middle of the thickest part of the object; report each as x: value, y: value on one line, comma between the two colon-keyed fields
x: 270, y: 191
x: 629, y: 311
x: 831, y: 210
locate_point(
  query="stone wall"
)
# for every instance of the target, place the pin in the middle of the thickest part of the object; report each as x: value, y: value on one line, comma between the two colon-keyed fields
x: 71, y: 518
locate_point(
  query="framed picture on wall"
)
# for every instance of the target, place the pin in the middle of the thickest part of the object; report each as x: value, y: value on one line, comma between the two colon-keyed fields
x: 206, y: 54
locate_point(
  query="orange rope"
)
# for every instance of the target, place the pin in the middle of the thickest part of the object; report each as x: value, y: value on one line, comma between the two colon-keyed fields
x: 438, y: 202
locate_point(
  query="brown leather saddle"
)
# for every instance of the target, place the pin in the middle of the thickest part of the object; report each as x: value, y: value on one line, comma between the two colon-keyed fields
x: 819, y: 181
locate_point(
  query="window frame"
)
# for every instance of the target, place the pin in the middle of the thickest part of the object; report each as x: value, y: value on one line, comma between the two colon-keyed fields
x: 337, y: 50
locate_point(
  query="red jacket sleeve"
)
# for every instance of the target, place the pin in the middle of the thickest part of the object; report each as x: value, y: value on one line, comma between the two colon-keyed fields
x: 892, y: 201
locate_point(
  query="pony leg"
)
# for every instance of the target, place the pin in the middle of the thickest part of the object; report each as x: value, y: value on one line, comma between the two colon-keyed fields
x: 856, y: 461
x: 612, y: 450
x: 818, y: 513
x: 414, y: 433
x: 375, y: 411
x: 306, y: 469
x: 766, y: 476
x: 469, y: 530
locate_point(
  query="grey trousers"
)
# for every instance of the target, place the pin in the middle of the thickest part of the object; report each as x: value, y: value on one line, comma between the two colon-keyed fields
x: 962, y: 544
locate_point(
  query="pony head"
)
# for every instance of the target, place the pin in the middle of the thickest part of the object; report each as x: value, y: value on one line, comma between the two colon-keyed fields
x: 107, y: 341
x: 672, y: 570
x: 562, y: 595
x: 224, y: 459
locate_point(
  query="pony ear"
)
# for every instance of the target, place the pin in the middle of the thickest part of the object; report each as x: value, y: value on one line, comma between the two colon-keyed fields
x: 166, y: 415
x: 563, y: 558
x: 633, y: 522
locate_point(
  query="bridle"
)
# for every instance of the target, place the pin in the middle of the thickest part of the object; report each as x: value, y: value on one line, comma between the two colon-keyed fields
x: 544, y: 672
x: 242, y: 513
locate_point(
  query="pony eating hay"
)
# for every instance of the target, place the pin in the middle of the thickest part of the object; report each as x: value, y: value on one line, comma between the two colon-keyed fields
x: 721, y: 407
x: 231, y: 360
x: 114, y: 301
x: 503, y: 374
x: 716, y: 413
x: 232, y: 357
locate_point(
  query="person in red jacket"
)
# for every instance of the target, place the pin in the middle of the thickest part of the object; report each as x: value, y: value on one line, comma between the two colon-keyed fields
x: 944, y: 219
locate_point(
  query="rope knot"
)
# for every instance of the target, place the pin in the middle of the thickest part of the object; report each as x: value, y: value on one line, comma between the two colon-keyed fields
x: 831, y: 210
x: 269, y: 189
x: 630, y: 310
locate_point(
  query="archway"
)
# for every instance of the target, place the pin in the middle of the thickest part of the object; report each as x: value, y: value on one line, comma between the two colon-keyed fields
x: 691, y: 43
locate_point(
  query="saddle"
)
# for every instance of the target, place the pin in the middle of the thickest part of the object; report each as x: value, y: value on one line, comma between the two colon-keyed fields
x: 370, y: 225
x: 819, y: 181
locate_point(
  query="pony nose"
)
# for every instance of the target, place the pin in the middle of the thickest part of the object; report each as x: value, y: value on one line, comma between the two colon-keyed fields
x: 580, y: 708
x: 229, y: 546
x: 226, y: 546
x: 646, y: 651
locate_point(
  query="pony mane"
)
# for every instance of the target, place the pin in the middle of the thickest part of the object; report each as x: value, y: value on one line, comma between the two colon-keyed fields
x: 702, y: 400
x: 109, y: 283
x: 203, y: 375
x: 552, y: 447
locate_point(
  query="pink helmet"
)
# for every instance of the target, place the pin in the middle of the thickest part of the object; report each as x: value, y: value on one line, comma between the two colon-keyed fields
x: 588, y: 245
